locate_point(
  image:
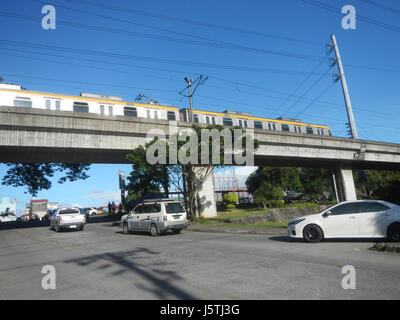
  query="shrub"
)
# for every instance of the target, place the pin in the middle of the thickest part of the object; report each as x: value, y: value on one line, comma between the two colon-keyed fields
x: 230, y: 199
x: 277, y: 203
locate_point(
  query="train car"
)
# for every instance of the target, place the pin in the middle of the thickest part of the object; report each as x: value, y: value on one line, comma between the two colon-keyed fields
x: 247, y: 120
x: 15, y: 95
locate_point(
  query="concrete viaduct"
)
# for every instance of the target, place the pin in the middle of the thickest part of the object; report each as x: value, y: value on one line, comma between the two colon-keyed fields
x: 35, y: 135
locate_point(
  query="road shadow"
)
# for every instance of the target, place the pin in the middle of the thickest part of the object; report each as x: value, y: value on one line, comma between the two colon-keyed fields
x: 24, y: 224
x: 333, y: 240
x: 158, y: 280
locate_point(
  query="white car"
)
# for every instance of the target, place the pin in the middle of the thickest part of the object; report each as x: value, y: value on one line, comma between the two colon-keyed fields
x: 67, y: 218
x: 155, y: 216
x: 350, y: 219
x: 7, y: 217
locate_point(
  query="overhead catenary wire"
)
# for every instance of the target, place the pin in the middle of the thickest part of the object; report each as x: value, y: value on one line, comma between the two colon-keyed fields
x: 143, y: 58
x: 359, y: 17
x: 191, y: 22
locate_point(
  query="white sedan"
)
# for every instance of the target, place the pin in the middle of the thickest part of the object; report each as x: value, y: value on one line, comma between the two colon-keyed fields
x: 350, y: 219
x: 7, y: 217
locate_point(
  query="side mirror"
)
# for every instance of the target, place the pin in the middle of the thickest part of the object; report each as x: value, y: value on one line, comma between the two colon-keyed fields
x: 326, y: 214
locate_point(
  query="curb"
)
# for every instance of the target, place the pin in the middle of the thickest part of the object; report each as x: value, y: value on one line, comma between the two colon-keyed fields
x: 266, y: 231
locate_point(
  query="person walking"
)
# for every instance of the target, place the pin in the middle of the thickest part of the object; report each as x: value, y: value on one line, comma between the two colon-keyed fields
x: 109, y: 208
x: 113, y: 207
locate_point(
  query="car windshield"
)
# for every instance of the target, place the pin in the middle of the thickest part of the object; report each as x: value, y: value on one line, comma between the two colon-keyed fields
x: 69, y: 211
x: 175, y: 207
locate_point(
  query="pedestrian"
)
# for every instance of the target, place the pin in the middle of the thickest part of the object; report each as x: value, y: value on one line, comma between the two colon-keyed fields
x: 120, y: 208
x: 109, y: 208
x: 113, y: 207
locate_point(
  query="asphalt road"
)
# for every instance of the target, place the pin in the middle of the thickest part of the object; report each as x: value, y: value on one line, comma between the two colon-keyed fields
x: 103, y: 263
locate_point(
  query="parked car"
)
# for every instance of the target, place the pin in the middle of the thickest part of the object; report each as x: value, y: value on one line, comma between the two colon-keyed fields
x: 246, y: 200
x: 67, y: 218
x: 89, y: 211
x: 7, y: 216
x: 350, y: 219
x: 155, y: 216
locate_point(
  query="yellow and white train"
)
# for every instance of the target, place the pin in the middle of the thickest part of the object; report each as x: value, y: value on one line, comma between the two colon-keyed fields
x: 15, y: 95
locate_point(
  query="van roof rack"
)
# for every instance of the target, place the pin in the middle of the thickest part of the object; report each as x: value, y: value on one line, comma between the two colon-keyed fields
x: 158, y: 200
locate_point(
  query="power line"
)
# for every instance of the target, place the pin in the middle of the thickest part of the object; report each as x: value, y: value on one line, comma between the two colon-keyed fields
x: 192, y: 22
x: 359, y: 17
x: 384, y: 7
x: 308, y: 90
x: 299, y: 86
x: 316, y: 99
x: 144, y: 58
x: 209, y: 43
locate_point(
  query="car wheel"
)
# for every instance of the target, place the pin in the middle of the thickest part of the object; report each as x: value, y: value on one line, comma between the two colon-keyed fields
x: 153, y: 230
x: 312, y: 233
x: 125, y: 229
x: 394, y: 232
x: 176, y: 231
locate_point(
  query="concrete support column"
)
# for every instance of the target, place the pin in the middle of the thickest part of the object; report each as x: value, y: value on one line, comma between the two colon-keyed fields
x: 344, y: 182
x: 207, y: 203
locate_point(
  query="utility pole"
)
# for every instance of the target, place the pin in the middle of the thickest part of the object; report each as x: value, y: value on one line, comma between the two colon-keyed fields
x: 191, y: 82
x: 341, y: 76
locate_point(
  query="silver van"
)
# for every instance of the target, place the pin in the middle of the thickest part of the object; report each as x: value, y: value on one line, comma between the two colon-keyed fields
x: 155, y: 216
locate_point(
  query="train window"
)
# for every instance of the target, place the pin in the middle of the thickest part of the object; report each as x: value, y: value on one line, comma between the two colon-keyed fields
x: 309, y: 130
x: 240, y: 123
x: 130, y: 112
x: 322, y: 132
x: 213, y: 120
x: 81, y: 106
x: 196, y: 118
x: 102, y: 109
x: 22, y: 102
x: 227, y: 122
x: 271, y: 126
x: 297, y: 129
x: 58, y: 105
x: 48, y: 104
x: 171, y: 115
x: 245, y: 123
x: 285, y: 127
x: 110, y: 110
x: 207, y: 119
x: 330, y: 133
x: 258, y: 125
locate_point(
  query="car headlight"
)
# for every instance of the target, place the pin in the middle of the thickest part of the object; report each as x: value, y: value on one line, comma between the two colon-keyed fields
x: 293, y: 222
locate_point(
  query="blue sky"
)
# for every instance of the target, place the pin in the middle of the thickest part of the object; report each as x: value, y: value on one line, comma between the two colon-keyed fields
x: 154, y: 36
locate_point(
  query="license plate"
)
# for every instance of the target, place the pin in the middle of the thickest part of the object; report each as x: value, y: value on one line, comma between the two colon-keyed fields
x: 73, y: 226
x: 177, y: 217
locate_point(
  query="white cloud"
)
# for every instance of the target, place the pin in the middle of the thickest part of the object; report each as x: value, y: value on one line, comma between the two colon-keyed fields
x: 103, y: 197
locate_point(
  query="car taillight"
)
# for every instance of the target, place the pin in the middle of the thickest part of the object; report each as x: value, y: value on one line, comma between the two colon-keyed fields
x: 165, y: 218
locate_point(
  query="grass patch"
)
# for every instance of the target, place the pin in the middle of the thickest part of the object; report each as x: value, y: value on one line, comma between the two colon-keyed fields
x: 237, y: 213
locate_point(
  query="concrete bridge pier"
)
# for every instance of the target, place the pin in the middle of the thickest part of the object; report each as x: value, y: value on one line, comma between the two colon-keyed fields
x: 207, y: 203
x: 344, y: 184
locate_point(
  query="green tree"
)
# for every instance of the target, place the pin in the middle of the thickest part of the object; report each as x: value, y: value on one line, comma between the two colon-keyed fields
x: 36, y: 176
x: 378, y: 184
x: 266, y: 193
x: 230, y: 199
x: 287, y: 179
x: 145, y: 178
x: 193, y: 175
x: 316, y: 183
